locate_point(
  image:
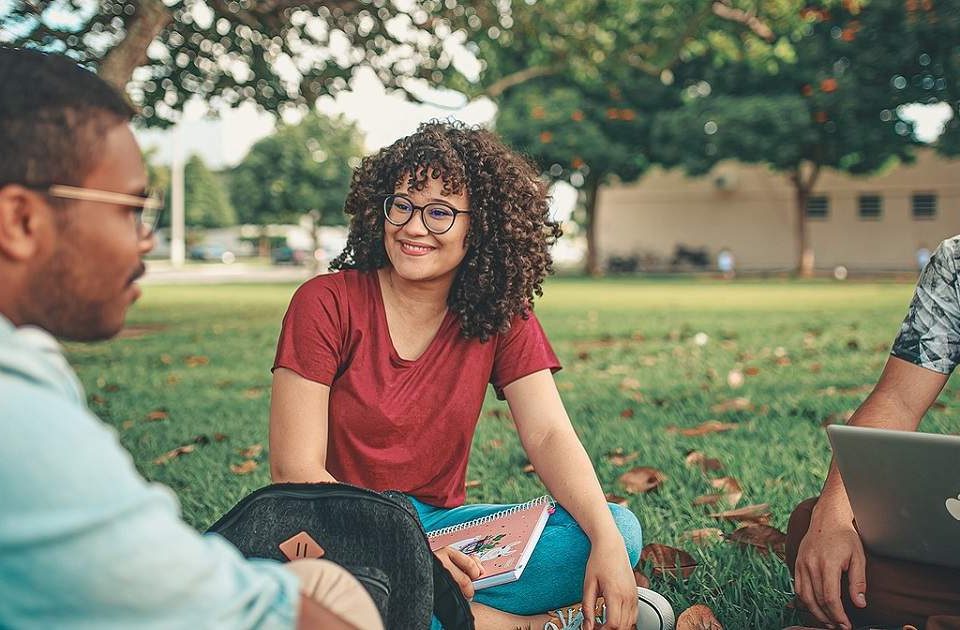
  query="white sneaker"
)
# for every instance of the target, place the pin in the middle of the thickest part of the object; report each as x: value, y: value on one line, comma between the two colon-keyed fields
x: 653, y: 613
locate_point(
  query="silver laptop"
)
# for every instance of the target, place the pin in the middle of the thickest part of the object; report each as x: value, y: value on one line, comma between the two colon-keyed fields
x: 905, y: 491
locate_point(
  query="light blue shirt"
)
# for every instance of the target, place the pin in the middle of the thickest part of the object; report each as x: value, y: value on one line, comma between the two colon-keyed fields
x: 85, y: 541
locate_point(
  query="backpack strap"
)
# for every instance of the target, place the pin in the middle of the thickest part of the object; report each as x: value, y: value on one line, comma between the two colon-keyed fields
x: 449, y: 604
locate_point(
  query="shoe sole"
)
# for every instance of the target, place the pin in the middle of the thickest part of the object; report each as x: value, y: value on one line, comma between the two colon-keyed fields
x: 654, y: 612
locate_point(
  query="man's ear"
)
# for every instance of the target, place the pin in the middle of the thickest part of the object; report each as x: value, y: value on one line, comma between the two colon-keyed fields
x: 24, y: 218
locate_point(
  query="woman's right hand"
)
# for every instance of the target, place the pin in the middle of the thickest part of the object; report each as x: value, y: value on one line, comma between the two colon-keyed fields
x: 464, y: 569
x: 830, y: 549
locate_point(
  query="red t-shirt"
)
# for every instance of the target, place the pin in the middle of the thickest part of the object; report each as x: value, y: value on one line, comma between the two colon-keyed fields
x: 394, y: 423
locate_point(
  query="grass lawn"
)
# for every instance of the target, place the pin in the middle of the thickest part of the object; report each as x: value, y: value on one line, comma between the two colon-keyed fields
x: 197, y: 359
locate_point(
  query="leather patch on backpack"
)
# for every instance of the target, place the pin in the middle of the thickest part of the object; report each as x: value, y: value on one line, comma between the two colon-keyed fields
x: 301, y: 546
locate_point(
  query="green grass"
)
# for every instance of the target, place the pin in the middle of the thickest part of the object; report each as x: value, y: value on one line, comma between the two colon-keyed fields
x: 604, y: 332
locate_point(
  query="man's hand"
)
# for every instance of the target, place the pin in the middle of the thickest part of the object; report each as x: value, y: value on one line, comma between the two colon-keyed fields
x: 830, y: 549
x: 464, y: 569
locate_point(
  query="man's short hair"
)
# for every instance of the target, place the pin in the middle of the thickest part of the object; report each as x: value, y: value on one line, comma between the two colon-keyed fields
x: 53, y: 114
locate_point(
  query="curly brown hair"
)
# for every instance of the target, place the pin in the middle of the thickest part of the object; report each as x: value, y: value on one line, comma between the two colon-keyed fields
x: 510, y: 234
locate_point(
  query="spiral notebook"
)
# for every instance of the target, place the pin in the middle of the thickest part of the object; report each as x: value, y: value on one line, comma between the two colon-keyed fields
x: 503, y: 542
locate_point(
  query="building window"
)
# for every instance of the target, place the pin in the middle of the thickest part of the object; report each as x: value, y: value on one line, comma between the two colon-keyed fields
x: 924, y: 206
x: 871, y: 206
x: 818, y: 206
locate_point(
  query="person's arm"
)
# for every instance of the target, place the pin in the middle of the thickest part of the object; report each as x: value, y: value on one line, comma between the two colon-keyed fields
x: 298, y: 429
x: 832, y: 545
x: 313, y: 616
x: 549, y: 440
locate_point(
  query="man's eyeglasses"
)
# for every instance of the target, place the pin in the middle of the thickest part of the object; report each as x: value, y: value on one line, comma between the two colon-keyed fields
x: 438, y: 217
x: 148, y: 207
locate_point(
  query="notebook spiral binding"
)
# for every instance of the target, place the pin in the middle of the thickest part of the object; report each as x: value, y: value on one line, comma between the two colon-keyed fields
x: 489, y: 517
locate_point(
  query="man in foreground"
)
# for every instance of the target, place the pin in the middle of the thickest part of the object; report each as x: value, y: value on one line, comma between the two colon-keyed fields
x: 839, y: 583
x: 85, y: 542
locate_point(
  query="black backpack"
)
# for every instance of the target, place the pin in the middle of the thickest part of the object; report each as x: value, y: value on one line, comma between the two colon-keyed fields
x: 374, y: 535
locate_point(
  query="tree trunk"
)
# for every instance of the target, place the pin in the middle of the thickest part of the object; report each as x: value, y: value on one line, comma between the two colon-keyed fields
x: 593, y: 267
x: 802, y: 188
x: 804, y: 253
x: 131, y: 52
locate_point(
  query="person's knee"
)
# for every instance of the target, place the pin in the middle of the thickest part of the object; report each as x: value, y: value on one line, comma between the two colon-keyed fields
x: 630, y: 529
x: 797, y: 529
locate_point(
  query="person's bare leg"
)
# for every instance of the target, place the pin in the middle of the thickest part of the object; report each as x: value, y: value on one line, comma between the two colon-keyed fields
x: 487, y: 618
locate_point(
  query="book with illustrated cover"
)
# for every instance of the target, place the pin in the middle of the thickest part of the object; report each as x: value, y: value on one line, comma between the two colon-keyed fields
x: 503, y: 542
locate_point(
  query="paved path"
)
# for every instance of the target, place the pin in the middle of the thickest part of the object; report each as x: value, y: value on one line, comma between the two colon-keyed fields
x: 160, y: 272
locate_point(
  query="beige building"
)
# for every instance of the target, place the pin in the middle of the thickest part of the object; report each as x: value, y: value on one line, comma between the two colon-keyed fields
x: 872, y: 223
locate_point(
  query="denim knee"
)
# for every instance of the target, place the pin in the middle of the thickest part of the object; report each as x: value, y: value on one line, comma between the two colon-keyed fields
x: 629, y: 526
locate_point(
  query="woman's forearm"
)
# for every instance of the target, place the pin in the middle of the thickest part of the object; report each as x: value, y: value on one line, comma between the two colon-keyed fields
x: 567, y: 472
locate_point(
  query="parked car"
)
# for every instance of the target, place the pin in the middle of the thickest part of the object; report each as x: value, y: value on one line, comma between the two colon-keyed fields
x: 212, y: 252
x: 285, y: 255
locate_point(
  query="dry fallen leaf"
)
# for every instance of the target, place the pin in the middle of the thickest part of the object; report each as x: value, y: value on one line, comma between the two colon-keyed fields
x: 166, y: 359
x: 251, y: 451
x: 710, y: 426
x: 729, y: 489
x: 734, y: 404
x: 751, y: 371
x: 627, y: 413
x: 706, y: 499
x: 668, y: 560
x: 529, y: 469
x: 629, y: 383
x: 177, y: 452
x: 642, y: 479
x: 618, y: 458
x: 763, y: 537
x: 473, y: 483
x: 219, y: 437
x: 759, y: 513
x: 616, y: 499
x: 196, y: 360
x: 243, y: 468
x: 703, y: 536
x: 157, y: 414
x: 698, y: 617
x: 706, y: 464
x: 126, y: 424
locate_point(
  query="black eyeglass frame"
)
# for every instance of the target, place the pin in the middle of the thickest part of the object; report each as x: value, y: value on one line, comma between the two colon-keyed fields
x: 388, y: 199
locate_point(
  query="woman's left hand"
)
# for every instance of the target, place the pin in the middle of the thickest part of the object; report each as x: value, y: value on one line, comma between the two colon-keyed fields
x: 609, y: 575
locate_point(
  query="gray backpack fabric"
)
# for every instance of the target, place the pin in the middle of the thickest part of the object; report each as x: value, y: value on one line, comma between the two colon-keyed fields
x: 376, y: 536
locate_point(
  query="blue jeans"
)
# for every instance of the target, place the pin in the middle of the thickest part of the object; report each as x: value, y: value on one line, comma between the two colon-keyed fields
x: 554, y: 576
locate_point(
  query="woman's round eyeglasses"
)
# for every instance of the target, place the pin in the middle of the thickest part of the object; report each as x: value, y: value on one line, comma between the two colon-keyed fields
x: 437, y: 217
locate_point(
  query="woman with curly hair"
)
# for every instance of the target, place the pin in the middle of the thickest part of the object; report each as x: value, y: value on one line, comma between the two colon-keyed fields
x: 381, y: 371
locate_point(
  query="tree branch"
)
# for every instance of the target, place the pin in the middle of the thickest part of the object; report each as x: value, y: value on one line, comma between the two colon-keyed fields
x: 498, y: 87
x: 726, y: 12
x: 117, y: 67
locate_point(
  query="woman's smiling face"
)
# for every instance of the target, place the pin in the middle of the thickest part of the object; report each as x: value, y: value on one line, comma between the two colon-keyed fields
x: 417, y: 254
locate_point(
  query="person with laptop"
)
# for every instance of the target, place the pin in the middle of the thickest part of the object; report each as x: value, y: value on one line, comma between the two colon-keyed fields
x: 841, y: 583
x: 85, y: 541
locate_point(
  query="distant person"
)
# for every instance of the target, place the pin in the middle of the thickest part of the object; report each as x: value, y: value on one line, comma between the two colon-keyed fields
x: 923, y: 257
x: 726, y: 263
x: 839, y: 582
x: 381, y: 372
x: 85, y: 541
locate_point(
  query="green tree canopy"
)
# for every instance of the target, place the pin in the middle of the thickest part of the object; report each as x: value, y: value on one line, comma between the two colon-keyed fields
x: 275, y: 53
x: 578, y: 83
x: 837, y: 106
x: 299, y: 169
x: 206, y: 203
